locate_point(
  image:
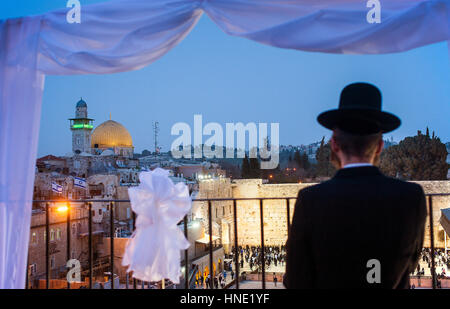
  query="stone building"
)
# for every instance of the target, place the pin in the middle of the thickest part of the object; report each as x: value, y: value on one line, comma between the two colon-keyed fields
x: 43, y: 187
x: 199, y: 171
x: 109, y: 138
x: 58, y: 240
x: 99, y: 187
x: 81, y: 127
x: 51, y: 163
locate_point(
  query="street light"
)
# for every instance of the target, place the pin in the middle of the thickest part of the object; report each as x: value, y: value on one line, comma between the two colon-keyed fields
x: 63, y: 207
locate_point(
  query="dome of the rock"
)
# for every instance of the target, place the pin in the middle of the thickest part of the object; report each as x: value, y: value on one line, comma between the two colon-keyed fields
x: 111, y: 134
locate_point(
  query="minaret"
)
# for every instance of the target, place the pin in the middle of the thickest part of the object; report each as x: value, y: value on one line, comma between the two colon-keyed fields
x: 81, y: 127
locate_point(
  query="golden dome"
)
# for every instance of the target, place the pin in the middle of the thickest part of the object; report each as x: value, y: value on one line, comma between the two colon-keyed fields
x: 111, y: 134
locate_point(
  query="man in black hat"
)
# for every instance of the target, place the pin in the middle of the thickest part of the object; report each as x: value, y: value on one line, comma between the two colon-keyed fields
x: 371, y: 225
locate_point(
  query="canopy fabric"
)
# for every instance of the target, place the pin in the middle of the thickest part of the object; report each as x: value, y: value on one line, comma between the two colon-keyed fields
x: 117, y: 36
x: 445, y: 220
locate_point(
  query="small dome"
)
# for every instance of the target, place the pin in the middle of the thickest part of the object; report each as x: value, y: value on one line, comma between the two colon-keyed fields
x: 111, y: 134
x: 81, y: 103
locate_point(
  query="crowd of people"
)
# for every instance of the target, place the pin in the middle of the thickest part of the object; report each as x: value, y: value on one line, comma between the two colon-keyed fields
x: 252, y: 257
x: 219, y: 281
x: 249, y: 259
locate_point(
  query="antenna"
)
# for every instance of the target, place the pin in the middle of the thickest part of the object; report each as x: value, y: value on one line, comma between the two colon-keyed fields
x: 155, y: 132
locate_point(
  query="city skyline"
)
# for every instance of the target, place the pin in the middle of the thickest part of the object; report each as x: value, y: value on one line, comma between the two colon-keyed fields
x: 228, y: 79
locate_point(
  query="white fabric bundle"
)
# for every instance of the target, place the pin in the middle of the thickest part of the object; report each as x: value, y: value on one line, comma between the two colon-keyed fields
x: 153, y: 252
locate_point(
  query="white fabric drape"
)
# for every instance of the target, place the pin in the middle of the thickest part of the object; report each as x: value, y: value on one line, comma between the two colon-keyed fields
x: 115, y: 36
x: 334, y: 26
x: 119, y: 36
x: 21, y: 87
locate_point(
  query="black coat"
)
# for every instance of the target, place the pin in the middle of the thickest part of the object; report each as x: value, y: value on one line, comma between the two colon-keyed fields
x: 341, y: 224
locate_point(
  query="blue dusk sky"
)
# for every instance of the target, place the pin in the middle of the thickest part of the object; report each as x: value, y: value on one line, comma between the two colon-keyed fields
x: 229, y: 79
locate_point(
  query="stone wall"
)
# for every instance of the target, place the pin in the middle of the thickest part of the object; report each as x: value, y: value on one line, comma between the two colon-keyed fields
x: 438, y: 203
x: 222, y: 211
x: 275, y: 211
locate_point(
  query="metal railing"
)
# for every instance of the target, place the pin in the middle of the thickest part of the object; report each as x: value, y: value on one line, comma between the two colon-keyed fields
x: 187, y: 276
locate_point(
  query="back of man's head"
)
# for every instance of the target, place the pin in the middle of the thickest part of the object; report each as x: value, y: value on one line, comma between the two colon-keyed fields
x: 362, y: 147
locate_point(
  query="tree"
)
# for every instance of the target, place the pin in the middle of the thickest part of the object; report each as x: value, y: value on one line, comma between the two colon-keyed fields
x: 321, y: 158
x: 419, y: 157
x: 245, y: 170
x: 305, y: 161
x: 302, y: 160
x: 324, y: 167
x: 298, y: 159
x: 290, y: 161
x: 255, y: 168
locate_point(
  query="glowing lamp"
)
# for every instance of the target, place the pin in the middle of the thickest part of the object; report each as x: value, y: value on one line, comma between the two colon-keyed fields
x: 62, y: 208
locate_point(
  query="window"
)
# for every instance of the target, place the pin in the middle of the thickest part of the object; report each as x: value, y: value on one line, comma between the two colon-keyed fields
x: 58, y: 234
x: 45, y: 236
x: 32, y: 269
x: 52, y: 261
x: 34, y: 239
x: 74, y: 229
x: 52, y: 235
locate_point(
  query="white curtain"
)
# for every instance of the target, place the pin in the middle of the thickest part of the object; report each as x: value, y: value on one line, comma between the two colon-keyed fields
x: 21, y: 87
x: 118, y: 36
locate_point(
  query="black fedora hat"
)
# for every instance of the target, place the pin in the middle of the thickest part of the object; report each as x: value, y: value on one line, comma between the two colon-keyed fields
x: 359, y: 112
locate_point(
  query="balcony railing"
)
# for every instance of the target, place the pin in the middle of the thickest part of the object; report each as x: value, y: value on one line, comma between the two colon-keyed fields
x: 188, y: 275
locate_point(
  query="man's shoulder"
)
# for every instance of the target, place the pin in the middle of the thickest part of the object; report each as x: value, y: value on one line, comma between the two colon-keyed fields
x: 382, y: 181
x: 315, y: 189
x: 404, y: 186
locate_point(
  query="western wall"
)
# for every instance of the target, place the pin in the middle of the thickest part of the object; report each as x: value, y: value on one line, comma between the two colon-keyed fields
x: 275, y: 211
